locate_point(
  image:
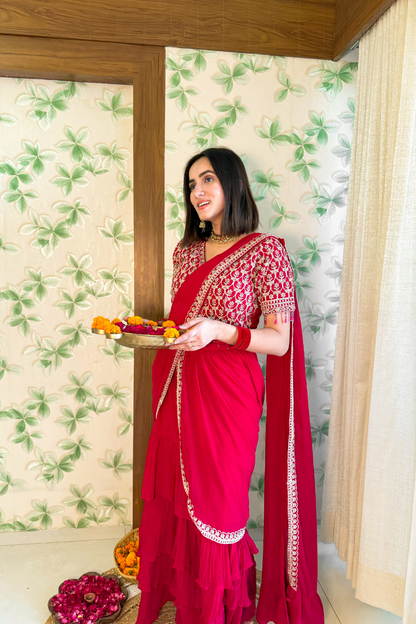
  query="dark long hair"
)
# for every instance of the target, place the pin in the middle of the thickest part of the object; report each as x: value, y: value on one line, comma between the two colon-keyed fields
x: 240, y: 213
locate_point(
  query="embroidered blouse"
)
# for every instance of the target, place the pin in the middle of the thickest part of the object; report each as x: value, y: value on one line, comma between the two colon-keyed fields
x: 263, y: 283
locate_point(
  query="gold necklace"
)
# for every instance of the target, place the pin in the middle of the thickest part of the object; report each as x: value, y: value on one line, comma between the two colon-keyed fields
x: 222, y: 240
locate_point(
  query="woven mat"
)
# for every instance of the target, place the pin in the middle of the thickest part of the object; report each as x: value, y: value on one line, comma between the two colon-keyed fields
x: 131, y: 607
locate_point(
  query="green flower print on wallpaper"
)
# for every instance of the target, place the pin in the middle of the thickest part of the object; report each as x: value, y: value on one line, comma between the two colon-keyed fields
x: 291, y: 121
x: 66, y: 255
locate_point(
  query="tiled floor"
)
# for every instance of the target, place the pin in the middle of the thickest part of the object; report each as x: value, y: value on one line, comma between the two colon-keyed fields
x: 31, y: 573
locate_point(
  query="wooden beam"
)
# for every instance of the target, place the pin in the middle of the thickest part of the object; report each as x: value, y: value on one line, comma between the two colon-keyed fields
x: 303, y: 28
x: 144, y: 68
x: 149, y: 246
x: 353, y: 19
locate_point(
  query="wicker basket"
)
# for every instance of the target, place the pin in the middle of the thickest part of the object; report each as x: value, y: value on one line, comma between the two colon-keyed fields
x: 132, y: 536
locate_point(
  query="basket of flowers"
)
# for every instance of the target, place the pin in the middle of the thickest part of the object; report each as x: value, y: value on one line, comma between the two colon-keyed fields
x: 137, y: 332
x: 125, y: 556
x: 93, y: 598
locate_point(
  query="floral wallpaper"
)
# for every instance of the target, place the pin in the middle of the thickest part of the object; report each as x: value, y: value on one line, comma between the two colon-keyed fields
x: 291, y: 120
x: 66, y: 255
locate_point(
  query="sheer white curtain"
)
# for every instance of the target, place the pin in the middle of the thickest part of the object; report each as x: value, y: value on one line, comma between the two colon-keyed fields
x: 369, y: 507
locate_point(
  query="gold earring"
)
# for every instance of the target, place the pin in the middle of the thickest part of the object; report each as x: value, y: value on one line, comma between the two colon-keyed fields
x: 202, y: 226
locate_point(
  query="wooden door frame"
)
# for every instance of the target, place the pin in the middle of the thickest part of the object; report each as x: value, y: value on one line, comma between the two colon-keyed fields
x: 144, y: 68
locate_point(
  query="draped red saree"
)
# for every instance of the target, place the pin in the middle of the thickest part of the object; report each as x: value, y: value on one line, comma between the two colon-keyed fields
x: 194, y: 546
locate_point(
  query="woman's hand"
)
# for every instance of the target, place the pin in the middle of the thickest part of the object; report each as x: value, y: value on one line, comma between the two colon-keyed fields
x: 201, y: 332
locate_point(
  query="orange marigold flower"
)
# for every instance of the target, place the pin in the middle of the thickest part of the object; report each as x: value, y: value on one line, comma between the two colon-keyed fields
x: 99, y: 322
x: 103, y: 324
x: 115, y: 320
x: 113, y: 329
x: 168, y: 324
x: 152, y: 323
x: 130, y: 571
x: 171, y: 333
x: 135, y: 320
x: 131, y: 560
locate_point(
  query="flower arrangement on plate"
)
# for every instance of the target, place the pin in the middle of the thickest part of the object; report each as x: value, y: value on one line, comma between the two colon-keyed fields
x: 137, y: 332
x: 91, y: 599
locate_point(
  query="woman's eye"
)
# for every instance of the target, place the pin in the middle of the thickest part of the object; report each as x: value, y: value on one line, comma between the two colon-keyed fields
x: 192, y: 186
x: 209, y: 179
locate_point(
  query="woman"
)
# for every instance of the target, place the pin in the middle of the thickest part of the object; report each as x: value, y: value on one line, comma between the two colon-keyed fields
x: 208, y: 393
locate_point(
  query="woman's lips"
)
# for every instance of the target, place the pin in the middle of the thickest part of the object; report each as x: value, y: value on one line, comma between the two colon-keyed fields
x: 204, y: 206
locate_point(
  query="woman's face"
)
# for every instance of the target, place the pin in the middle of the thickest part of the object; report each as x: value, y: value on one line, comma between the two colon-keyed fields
x: 207, y: 196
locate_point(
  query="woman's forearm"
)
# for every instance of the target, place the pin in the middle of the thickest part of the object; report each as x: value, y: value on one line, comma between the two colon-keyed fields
x: 269, y: 340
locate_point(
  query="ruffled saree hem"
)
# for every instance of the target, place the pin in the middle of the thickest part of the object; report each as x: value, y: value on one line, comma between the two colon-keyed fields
x: 209, y: 583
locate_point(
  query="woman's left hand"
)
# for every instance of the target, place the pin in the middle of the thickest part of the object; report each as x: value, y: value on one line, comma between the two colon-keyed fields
x: 201, y: 332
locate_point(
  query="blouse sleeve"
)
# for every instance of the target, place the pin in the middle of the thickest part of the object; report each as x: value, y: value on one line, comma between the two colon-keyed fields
x: 274, y: 283
x: 176, y: 266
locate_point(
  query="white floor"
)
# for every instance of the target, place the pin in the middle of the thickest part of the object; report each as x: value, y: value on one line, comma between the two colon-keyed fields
x: 31, y: 573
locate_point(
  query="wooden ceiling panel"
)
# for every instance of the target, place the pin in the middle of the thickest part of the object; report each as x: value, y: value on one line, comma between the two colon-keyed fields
x: 353, y: 19
x: 184, y: 25
x: 306, y: 28
x: 294, y: 38
x: 210, y: 32
x: 285, y: 27
x: 236, y: 25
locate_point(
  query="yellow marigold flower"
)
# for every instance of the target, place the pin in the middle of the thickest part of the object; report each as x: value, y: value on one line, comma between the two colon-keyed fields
x: 169, y: 324
x: 115, y: 320
x: 171, y: 333
x: 152, y: 323
x: 135, y: 320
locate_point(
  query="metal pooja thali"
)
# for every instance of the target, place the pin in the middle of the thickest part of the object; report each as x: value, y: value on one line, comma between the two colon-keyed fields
x: 138, y: 341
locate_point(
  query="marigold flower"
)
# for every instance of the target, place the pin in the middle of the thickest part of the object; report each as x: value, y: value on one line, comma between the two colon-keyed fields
x: 168, y: 324
x: 127, y: 559
x: 99, y: 322
x: 152, y: 323
x: 171, y: 333
x: 131, y: 560
x: 113, y: 329
x: 115, y: 320
x: 135, y: 320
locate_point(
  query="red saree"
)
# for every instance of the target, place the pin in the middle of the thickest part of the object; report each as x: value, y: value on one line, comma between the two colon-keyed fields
x: 194, y: 547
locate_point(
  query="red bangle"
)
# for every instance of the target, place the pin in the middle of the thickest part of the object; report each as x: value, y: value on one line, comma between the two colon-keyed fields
x: 243, y: 339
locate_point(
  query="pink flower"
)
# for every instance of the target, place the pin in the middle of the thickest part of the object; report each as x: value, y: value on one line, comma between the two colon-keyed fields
x: 70, y: 606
